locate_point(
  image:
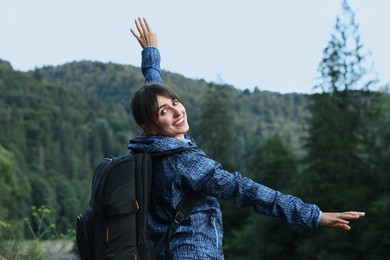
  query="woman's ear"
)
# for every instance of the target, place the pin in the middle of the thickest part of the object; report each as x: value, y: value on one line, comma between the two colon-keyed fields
x: 149, y: 129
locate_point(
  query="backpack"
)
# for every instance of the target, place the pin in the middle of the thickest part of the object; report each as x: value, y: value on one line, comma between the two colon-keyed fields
x: 115, y: 224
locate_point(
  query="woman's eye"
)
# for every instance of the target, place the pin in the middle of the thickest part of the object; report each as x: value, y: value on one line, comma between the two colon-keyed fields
x: 175, y: 102
x: 163, y: 111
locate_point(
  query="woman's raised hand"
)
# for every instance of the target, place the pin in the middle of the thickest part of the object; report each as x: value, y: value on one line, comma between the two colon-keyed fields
x: 146, y: 37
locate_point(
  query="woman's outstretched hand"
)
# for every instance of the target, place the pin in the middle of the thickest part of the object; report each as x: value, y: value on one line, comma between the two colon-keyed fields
x: 339, y: 220
x: 146, y: 37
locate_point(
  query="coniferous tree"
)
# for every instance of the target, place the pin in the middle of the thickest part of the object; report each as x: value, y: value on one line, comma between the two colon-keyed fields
x: 374, y: 237
x: 337, y: 114
x: 337, y: 171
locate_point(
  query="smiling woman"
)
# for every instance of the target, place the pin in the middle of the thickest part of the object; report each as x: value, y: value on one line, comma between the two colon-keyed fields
x: 159, y: 112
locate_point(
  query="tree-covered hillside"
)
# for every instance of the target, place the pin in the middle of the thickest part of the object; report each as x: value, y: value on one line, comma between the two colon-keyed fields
x: 257, y: 114
x: 51, y: 137
x: 58, y: 122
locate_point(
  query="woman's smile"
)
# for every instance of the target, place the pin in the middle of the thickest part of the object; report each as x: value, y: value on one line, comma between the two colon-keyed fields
x: 180, y: 122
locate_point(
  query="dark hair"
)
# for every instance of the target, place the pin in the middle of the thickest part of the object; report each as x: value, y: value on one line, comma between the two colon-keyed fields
x: 144, y: 104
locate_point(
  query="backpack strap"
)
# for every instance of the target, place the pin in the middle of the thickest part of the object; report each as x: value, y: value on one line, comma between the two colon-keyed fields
x: 182, y: 211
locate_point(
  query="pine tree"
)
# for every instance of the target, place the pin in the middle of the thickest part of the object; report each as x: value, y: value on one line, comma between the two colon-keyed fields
x: 337, y: 171
x: 337, y: 114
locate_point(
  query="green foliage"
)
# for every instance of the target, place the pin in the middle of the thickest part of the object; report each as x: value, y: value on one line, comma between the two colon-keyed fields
x: 3, y: 226
x: 8, y: 181
x: 39, y: 227
x: 274, y: 165
x: 51, y: 139
x: 215, y: 134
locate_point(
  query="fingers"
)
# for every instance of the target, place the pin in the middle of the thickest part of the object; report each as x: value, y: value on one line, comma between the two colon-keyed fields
x: 343, y: 226
x: 352, y: 215
x: 340, y: 219
x: 143, y: 25
x: 143, y: 28
x: 337, y: 222
x: 139, y: 28
x: 145, y: 36
x: 359, y: 213
x: 147, y: 25
x: 136, y: 36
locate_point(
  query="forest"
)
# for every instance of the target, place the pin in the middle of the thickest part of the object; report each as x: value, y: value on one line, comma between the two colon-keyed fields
x: 330, y: 148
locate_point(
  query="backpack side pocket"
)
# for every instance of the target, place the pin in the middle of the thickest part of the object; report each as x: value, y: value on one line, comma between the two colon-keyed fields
x: 84, y: 234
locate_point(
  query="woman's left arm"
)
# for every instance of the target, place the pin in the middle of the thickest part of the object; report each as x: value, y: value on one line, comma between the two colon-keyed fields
x: 150, y: 65
x: 208, y: 176
x: 200, y: 173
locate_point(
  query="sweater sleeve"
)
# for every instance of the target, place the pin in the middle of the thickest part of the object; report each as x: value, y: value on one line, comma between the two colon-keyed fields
x: 205, y: 175
x: 150, y: 65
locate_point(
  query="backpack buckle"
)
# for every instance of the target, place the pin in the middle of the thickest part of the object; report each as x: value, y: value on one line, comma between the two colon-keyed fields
x: 179, y: 217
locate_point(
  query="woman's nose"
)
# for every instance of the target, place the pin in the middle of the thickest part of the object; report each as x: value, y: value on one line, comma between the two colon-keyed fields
x: 176, y: 112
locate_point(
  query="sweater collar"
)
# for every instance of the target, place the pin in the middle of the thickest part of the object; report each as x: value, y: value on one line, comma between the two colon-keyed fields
x: 153, y: 143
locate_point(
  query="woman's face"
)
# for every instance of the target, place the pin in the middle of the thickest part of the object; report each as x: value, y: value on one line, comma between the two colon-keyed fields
x: 172, y: 118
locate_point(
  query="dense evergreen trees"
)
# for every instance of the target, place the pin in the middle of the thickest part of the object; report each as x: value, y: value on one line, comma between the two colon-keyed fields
x: 339, y: 172
x: 215, y: 128
x: 274, y: 165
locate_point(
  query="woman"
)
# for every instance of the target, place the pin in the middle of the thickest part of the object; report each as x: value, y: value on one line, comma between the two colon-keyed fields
x: 163, y: 118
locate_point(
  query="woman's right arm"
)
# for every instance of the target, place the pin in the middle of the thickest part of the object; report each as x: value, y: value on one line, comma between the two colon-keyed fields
x: 150, y: 65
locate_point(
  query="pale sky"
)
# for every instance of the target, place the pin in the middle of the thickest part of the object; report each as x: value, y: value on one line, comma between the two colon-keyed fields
x: 274, y: 45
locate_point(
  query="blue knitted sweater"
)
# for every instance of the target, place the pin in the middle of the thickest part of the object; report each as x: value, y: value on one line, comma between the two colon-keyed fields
x: 200, y: 235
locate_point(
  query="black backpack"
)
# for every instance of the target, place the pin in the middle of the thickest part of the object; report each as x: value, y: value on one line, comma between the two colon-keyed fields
x: 115, y: 224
